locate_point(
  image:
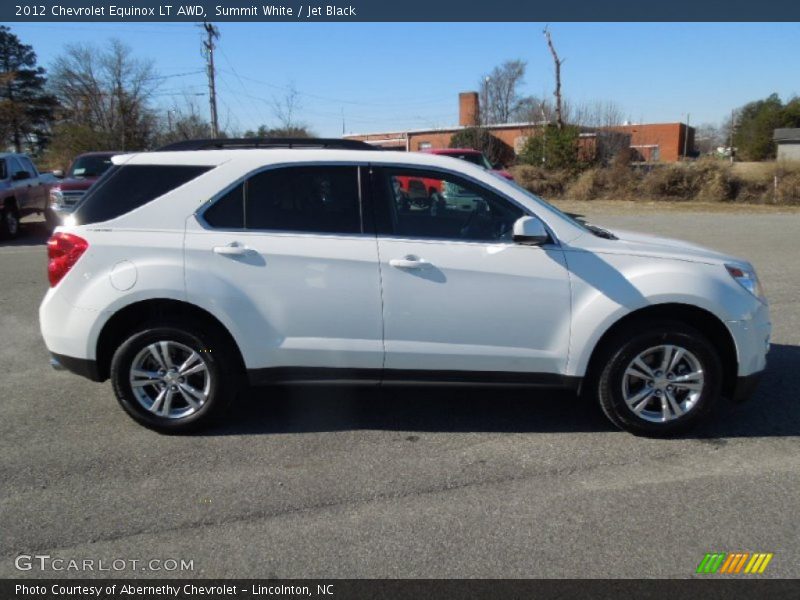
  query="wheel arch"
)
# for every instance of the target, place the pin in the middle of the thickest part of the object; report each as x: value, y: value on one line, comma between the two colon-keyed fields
x: 701, y: 319
x: 130, y: 318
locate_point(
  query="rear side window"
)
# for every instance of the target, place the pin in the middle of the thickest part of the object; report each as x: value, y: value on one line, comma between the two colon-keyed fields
x: 3, y: 171
x: 125, y: 188
x: 228, y: 211
x: 319, y: 199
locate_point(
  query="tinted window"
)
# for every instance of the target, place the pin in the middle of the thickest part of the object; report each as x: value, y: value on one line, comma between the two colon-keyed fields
x: 3, y: 172
x: 125, y: 188
x: 314, y: 199
x: 228, y: 211
x: 420, y: 204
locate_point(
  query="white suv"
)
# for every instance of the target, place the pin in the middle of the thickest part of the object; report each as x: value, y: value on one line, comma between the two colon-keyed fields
x: 186, y: 274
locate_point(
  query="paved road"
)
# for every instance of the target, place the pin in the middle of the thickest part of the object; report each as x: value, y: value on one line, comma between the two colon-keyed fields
x: 413, y: 483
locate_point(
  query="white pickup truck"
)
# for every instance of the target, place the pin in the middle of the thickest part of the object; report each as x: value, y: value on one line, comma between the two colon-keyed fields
x: 23, y: 191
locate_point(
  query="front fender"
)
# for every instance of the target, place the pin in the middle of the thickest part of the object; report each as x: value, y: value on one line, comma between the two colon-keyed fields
x: 607, y: 287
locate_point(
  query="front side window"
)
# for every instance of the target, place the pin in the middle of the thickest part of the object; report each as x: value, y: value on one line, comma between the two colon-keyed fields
x: 27, y: 165
x: 14, y: 166
x: 319, y: 199
x: 421, y: 204
x: 3, y: 170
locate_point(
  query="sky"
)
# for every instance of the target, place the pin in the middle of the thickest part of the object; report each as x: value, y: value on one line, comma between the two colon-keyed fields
x: 379, y: 77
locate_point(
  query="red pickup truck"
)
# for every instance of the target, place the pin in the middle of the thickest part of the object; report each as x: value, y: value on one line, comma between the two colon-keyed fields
x: 72, y: 185
x: 420, y: 190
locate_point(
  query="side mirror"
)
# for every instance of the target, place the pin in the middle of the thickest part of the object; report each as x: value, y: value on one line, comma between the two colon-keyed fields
x: 498, y: 166
x: 530, y: 231
x: 58, y: 173
x: 20, y: 175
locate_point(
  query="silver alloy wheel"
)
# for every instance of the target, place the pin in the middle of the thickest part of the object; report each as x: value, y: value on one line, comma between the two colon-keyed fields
x: 663, y: 383
x: 170, y: 379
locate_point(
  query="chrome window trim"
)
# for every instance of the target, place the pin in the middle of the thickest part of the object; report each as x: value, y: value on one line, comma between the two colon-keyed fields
x: 525, y: 210
x: 200, y: 211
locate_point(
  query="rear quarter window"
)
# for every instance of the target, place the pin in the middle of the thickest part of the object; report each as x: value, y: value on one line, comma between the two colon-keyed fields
x: 124, y: 188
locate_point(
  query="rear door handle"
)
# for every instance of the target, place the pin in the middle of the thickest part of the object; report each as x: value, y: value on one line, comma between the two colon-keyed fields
x: 233, y: 249
x: 409, y: 262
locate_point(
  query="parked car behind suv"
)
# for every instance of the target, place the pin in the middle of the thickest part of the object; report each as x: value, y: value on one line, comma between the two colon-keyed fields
x: 81, y: 175
x: 189, y: 274
x: 23, y: 191
x: 424, y: 193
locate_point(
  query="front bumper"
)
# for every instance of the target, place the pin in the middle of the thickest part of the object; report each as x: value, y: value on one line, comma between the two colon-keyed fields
x: 752, y: 338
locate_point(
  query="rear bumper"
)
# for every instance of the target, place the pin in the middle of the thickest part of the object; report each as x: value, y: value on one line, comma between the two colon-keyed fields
x: 80, y: 366
x: 746, y: 386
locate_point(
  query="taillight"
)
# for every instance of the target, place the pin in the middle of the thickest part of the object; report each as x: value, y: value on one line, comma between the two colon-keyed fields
x: 63, y: 251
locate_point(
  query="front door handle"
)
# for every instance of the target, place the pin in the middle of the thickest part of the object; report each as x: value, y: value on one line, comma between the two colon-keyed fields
x: 233, y: 249
x: 409, y: 262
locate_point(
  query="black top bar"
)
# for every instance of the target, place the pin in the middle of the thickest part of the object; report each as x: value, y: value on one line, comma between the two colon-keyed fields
x: 235, y: 143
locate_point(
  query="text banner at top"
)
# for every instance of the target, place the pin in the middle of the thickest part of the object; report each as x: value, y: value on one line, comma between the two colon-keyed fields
x: 400, y: 10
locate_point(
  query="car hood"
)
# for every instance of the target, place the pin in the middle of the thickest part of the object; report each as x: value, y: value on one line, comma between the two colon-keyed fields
x: 641, y: 244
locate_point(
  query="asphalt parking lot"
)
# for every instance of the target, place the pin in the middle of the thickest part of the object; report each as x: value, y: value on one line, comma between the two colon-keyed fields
x: 319, y: 482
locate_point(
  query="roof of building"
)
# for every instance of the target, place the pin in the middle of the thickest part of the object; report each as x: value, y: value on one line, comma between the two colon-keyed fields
x: 787, y: 135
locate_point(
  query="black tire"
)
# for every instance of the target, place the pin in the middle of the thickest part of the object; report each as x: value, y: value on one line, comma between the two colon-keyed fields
x: 218, y: 357
x: 632, y: 342
x: 9, y: 222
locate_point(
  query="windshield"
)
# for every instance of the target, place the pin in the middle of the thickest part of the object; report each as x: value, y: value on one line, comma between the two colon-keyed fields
x: 571, y: 218
x: 90, y: 166
x: 577, y: 220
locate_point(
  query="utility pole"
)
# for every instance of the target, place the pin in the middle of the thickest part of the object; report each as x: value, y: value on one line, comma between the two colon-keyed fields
x: 686, y: 138
x: 733, y: 129
x: 212, y: 34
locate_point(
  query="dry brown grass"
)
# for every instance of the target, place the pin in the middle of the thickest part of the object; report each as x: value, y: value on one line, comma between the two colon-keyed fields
x: 705, y: 181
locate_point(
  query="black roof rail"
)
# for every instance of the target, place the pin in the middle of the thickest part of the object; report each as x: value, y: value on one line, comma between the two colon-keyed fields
x: 256, y: 142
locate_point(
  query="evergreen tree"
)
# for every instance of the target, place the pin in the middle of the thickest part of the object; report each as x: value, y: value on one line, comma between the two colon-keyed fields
x: 26, y: 110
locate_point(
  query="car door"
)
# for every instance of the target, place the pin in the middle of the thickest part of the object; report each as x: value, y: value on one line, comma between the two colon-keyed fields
x: 21, y: 187
x: 461, y: 300
x: 37, y: 192
x: 284, y: 257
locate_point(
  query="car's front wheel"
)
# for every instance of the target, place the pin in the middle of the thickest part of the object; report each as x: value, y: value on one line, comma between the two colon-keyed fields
x: 659, y: 378
x: 173, y: 379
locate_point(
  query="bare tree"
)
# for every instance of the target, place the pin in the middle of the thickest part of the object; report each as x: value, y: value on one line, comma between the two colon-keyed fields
x: 107, y: 90
x: 499, y: 96
x: 708, y: 137
x: 557, y: 93
x: 286, y: 107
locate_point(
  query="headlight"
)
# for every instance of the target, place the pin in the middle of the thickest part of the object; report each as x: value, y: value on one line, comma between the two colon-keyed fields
x: 56, y: 197
x: 747, y: 278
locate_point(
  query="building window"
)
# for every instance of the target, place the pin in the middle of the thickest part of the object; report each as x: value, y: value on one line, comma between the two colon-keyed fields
x: 425, y: 145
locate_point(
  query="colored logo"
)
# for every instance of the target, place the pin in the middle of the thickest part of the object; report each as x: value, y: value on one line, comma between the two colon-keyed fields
x: 734, y: 563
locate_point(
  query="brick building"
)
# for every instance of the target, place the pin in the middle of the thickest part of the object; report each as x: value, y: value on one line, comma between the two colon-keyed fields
x: 662, y: 142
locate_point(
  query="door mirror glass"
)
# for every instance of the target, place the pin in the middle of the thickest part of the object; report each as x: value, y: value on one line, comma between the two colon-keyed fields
x: 530, y: 231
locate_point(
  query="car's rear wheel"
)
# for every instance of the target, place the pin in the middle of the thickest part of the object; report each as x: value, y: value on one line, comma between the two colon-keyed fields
x: 173, y: 379
x: 659, y: 379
